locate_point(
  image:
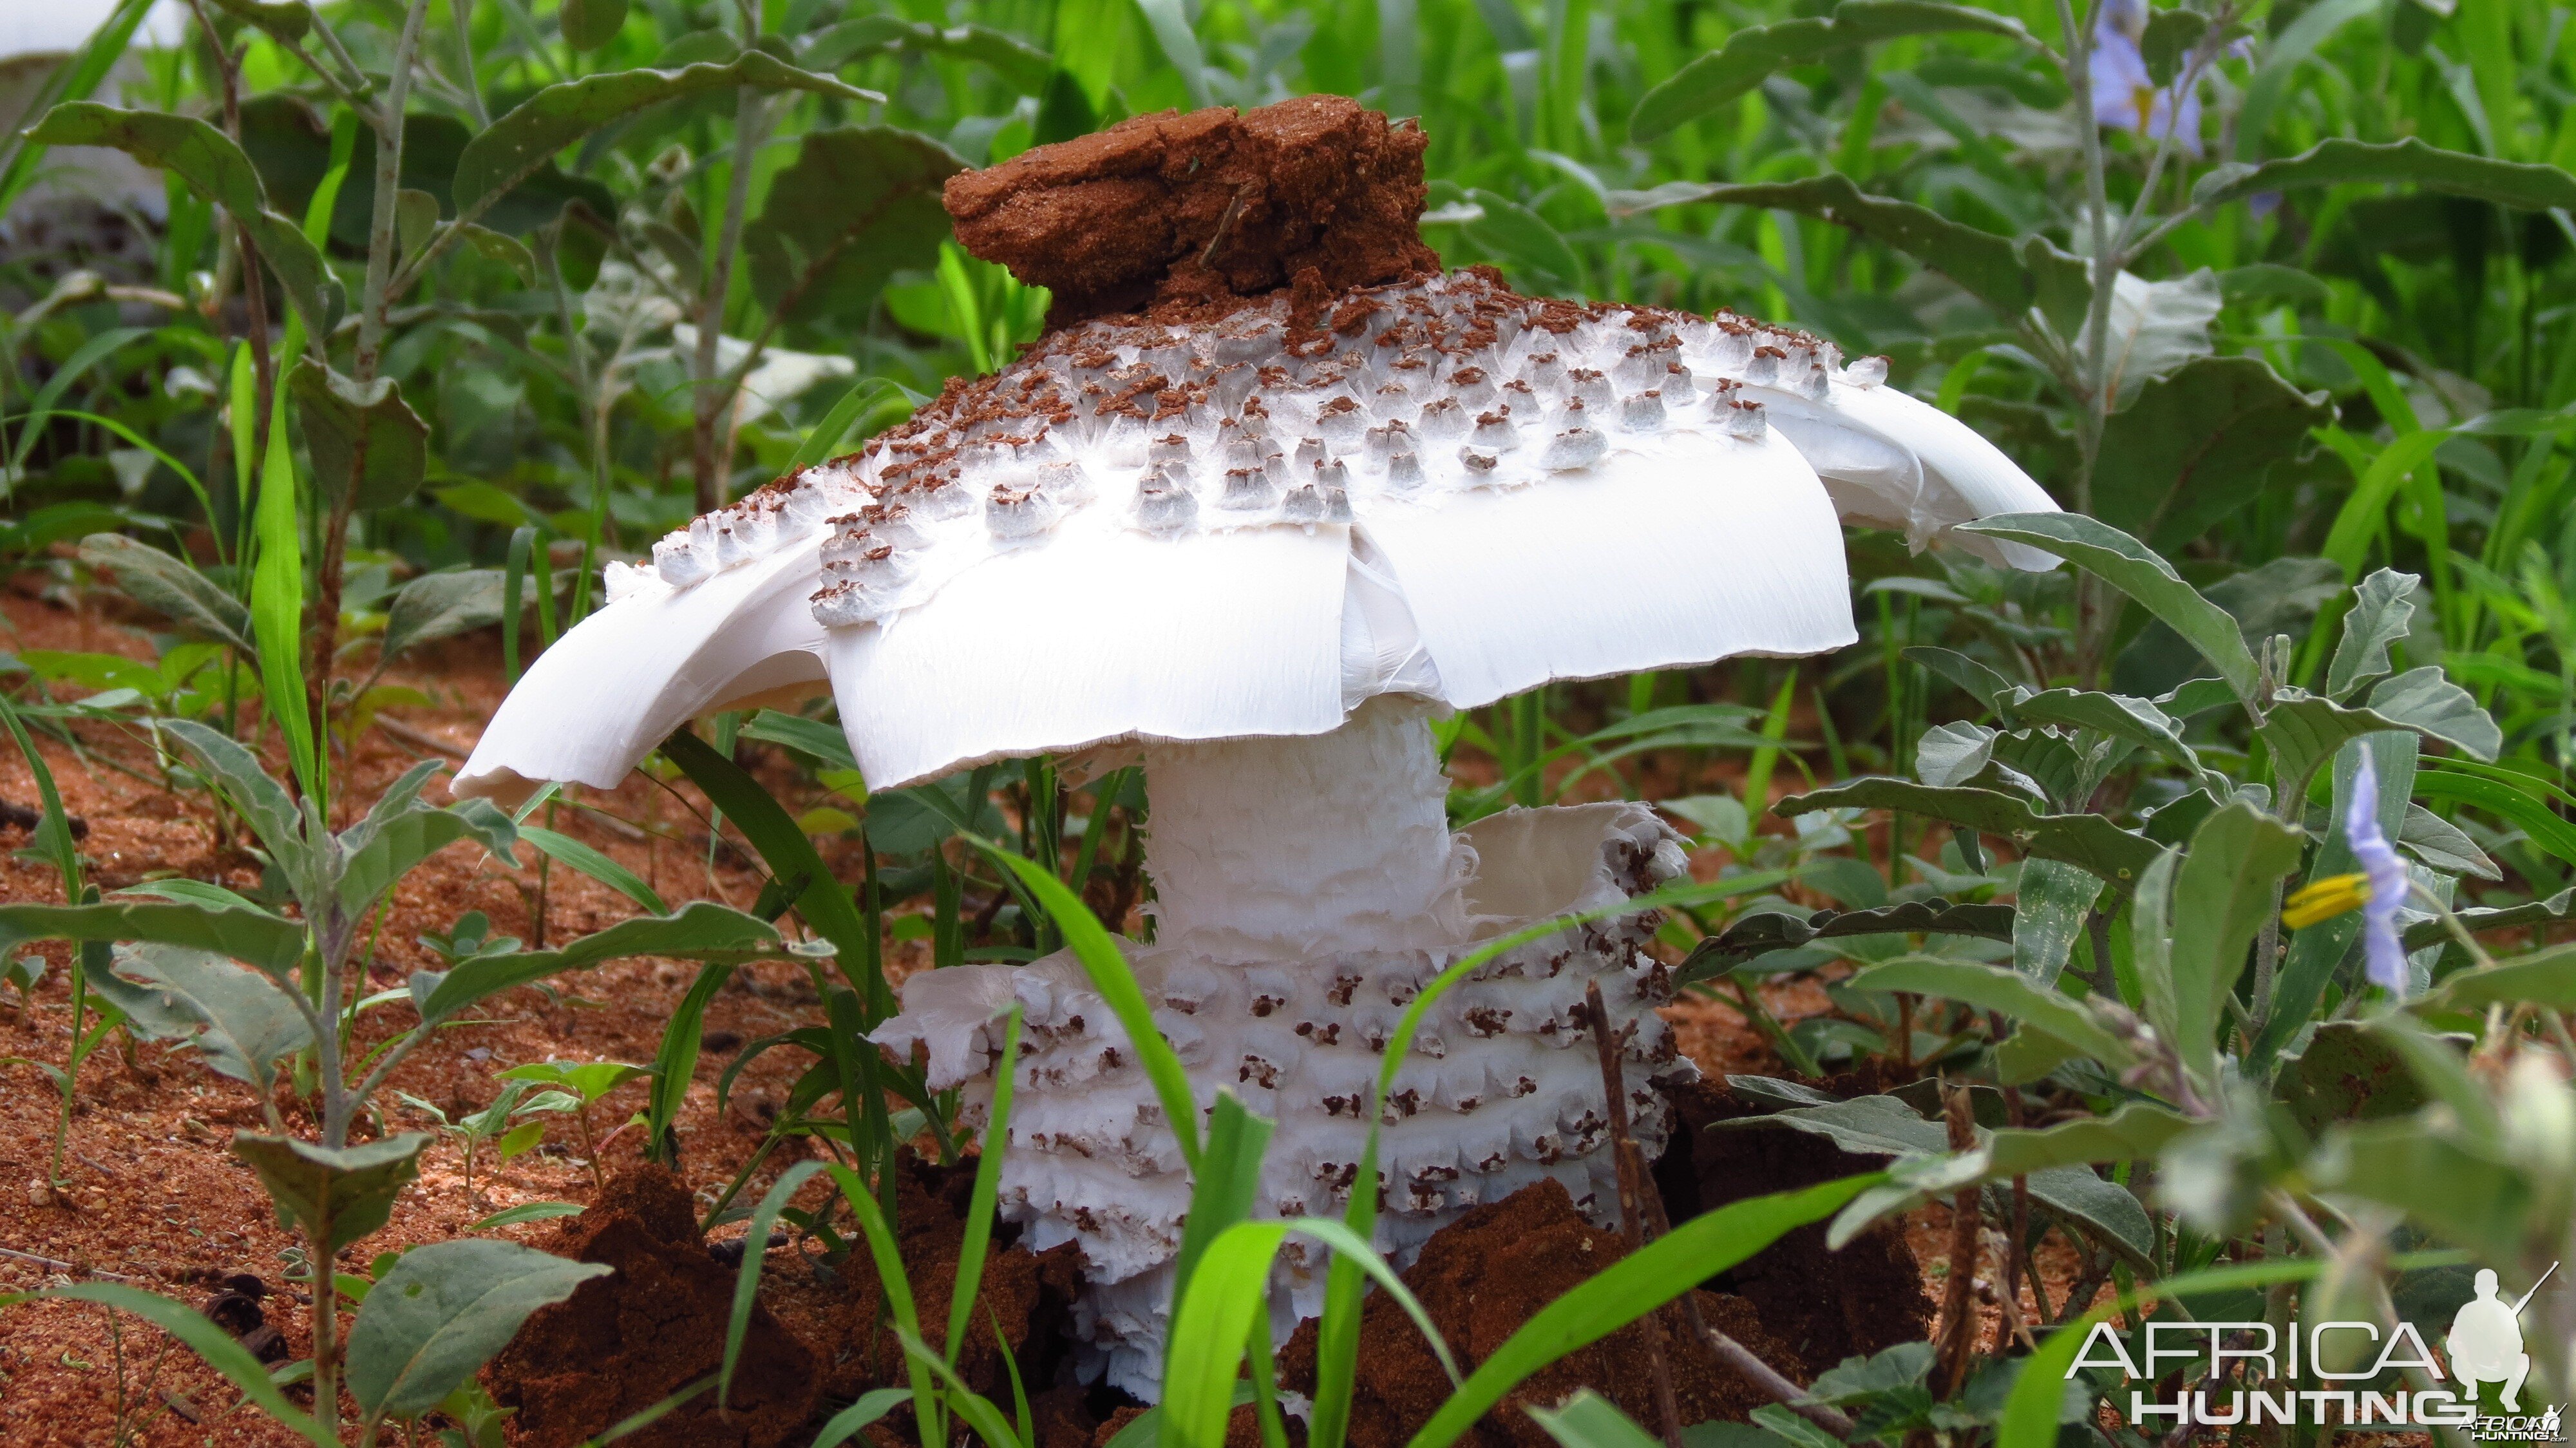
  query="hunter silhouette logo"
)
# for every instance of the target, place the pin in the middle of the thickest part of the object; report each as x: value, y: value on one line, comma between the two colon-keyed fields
x: 2485, y: 1342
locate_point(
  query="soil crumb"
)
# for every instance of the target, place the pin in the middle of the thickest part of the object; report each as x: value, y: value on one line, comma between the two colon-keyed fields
x: 622, y: 1343
x: 1186, y: 216
x: 1483, y: 1276
x: 1826, y: 1305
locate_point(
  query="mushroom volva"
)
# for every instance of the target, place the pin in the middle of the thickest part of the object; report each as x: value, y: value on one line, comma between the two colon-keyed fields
x: 1272, y: 491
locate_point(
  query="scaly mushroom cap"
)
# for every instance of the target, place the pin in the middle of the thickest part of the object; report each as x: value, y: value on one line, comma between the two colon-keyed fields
x: 1238, y: 516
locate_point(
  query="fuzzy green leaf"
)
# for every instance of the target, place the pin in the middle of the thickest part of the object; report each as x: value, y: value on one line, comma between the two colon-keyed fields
x: 442, y: 1312
x: 2410, y: 162
x: 1755, y: 53
x: 858, y: 204
x: 170, y: 587
x: 2086, y: 840
x: 339, y: 1196
x: 2138, y: 571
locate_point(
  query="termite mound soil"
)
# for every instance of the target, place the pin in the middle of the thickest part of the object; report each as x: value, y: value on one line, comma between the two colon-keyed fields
x: 1483, y: 1276
x: 1024, y: 1304
x: 1824, y: 1305
x: 622, y: 1343
x: 1186, y: 216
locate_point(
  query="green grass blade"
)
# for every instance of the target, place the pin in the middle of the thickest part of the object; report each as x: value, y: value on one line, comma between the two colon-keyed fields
x: 845, y: 1424
x: 576, y: 855
x: 277, y: 601
x: 1210, y: 1330
x: 746, y: 1283
x: 1110, y: 976
x: 1227, y: 1181
x: 979, y: 1201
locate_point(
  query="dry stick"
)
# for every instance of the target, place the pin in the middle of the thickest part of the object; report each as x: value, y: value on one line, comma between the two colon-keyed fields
x: 1958, y: 1335
x: 1632, y: 1211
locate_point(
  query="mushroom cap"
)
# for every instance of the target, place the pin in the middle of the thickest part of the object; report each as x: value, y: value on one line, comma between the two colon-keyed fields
x: 1205, y: 531
x: 1314, y: 469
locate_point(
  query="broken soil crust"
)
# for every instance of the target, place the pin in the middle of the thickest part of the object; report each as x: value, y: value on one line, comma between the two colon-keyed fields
x: 1188, y: 215
x: 623, y: 1343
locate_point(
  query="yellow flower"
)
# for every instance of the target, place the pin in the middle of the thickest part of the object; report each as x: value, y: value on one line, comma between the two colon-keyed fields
x: 2325, y: 899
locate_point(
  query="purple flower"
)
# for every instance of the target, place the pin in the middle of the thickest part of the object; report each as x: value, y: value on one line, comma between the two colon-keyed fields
x: 2125, y: 98
x: 2382, y: 952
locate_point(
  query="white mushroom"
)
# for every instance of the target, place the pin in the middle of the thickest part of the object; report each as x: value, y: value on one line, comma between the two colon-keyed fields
x: 1266, y: 599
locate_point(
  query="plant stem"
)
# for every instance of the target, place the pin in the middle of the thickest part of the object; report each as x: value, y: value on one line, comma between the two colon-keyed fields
x: 2093, y: 613
x: 714, y: 401
x: 326, y: 1331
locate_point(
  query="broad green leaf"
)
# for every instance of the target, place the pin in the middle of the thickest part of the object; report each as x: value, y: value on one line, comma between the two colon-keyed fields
x: 377, y: 861
x: 2223, y: 894
x: 2049, y: 910
x: 2444, y: 846
x: 2155, y: 328
x: 2010, y: 278
x: 590, y: 24
x: 2546, y: 978
x: 216, y: 170
x: 2137, y: 1130
x: 2430, y: 704
x: 1589, y: 1420
x: 1992, y: 988
x: 442, y: 1312
x: 366, y: 442
x: 170, y: 587
x: 2195, y: 446
x: 1863, y: 1125
x: 1988, y: 687
x: 519, y: 144
x: 2136, y: 570
x: 1951, y: 755
x: 2443, y: 1185
x: 75, y: 78
x: 1629, y: 1289
x: 2558, y: 907
x: 1020, y: 65
x: 2383, y: 607
x: 220, y: 1349
x: 288, y: 20
x: 264, y: 940
x: 566, y: 850
x: 1756, y: 52
x: 2332, y: 162
x: 858, y: 204
x: 823, y: 743
x: 339, y: 1196
x: 700, y: 931
x: 248, y: 1021
x: 2086, y: 840
x: 441, y: 605
x: 2347, y: 1073
x: 1764, y: 931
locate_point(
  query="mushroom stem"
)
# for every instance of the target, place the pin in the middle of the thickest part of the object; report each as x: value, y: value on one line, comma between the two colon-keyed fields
x: 1279, y: 849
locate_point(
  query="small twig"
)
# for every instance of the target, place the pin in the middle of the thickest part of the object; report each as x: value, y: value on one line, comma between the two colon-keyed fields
x: 1632, y: 1210
x: 1957, y: 1334
x: 1224, y: 226
x: 74, y: 1268
x: 419, y: 738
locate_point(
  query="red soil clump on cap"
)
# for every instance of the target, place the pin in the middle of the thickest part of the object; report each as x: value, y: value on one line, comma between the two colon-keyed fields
x: 622, y: 1343
x: 1481, y: 1278
x: 1187, y: 216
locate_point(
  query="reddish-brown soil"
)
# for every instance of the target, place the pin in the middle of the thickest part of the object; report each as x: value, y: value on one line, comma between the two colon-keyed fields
x: 154, y: 1197
x: 1483, y: 1277
x: 1185, y: 214
x: 624, y: 1342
